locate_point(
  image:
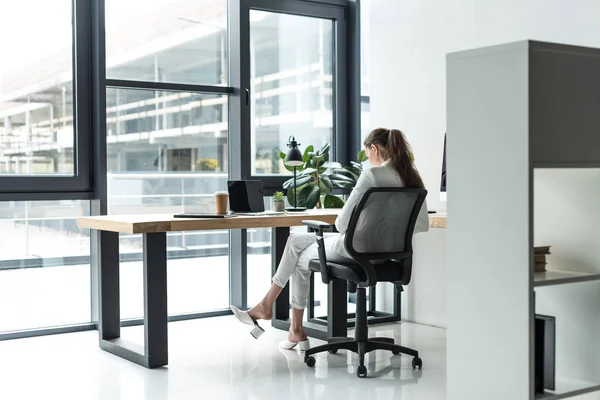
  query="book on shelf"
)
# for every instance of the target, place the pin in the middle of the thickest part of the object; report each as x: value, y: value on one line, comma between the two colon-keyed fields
x: 539, y: 250
x: 540, y: 262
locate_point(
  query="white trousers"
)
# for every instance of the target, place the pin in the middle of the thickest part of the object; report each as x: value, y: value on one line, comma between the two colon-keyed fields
x: 299, y: 250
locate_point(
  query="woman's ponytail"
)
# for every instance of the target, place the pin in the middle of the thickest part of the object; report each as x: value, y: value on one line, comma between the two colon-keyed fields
x: 399, y: 152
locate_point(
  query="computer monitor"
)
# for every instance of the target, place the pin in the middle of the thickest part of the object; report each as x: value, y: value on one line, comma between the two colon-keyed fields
x: 443, y: 196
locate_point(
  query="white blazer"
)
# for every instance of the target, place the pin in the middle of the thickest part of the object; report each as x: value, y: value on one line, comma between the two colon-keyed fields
x: 382, y: 176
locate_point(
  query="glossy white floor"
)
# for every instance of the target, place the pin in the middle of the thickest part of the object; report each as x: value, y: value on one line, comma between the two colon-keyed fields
x: 217, y: 358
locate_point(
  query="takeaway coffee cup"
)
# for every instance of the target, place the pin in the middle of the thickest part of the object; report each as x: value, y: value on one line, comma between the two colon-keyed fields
x: 221, y: 200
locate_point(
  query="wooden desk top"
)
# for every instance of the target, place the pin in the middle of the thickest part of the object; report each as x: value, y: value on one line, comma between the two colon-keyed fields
x: 167, y: 223
x: 438, y: 221
x: 133, y: 224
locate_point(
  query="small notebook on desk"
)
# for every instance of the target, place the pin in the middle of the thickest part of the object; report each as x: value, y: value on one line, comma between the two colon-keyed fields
x: 203, y: 215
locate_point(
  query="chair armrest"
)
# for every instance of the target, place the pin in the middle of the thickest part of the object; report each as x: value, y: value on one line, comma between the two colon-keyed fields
x: 318, y: 225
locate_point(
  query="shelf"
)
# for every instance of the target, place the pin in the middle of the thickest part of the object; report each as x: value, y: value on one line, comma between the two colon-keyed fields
x: 567, y: 387
x: 556, y: 277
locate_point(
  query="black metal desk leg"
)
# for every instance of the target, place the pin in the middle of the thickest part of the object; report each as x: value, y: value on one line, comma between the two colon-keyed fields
x: 155, y: 299
x: 154, y: 352
x: 279, y: 237
x: 109, y: 316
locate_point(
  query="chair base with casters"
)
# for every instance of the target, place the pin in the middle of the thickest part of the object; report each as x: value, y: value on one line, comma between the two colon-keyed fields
x: 381, y: 251
x: 361, y: 344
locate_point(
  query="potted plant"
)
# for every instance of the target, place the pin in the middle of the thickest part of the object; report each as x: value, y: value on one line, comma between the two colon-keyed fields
x: 278, y: 203
x: 318, y: 177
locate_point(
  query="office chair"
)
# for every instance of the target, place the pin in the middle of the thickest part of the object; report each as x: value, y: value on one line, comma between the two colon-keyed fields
x: 379, y: 240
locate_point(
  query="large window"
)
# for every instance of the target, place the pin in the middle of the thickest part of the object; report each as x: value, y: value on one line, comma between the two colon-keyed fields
x: 149, y: 84
x: 36, y: 88
x: 291, y: 85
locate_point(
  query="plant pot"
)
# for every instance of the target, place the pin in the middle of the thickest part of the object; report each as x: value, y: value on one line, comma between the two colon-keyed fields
x: 278, y: 206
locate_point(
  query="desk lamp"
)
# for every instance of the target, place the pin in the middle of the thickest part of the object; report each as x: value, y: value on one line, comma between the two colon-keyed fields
x: 294, y: 159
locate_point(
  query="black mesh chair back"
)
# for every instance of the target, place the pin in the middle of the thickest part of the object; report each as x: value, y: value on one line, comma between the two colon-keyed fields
x: 383, y: 223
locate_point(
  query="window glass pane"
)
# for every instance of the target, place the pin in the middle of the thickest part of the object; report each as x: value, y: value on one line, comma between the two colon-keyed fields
x: 36, y: 90
x: 291, y: 85
x: 365, y: 47
x: 365, y: 121
x: 259, y: 264
x: 44, y: 264
x: 167, y: 153
x: 178, y: 41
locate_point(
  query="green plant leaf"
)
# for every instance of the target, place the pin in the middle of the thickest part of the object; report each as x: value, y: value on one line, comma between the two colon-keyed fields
x: 309, y: 196
x: 300, y: 181
x: 319, y: 158
x: 281, y: 155
x: 332, y: 202
x: 343, y: 184
x: 290, y: 196
x: 345, y: 172
x: 362, y: 156
x: 354, y: 171
x: 332, y: 164
x: 340, y: 177
x: 290, y: 193
x: 324, y: 149
x: 308, y: 170
x: 307, y: 151
x: 355, y: 164
x: 325, y: 184
x: 288, y: 183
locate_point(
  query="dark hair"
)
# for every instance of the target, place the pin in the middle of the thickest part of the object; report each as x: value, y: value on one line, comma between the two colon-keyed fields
x: 396, y: 148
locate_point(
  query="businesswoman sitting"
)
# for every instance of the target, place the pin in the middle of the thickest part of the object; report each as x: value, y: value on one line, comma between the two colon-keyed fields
x: 391, y: 162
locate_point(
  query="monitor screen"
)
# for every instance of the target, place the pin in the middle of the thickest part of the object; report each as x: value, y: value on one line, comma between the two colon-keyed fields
x: 443, y: 185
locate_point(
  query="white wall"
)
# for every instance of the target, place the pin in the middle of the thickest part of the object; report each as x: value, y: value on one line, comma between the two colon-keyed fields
x: 409, y: 40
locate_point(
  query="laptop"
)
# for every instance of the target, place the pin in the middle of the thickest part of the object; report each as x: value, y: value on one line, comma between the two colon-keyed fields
x: 247, y: 197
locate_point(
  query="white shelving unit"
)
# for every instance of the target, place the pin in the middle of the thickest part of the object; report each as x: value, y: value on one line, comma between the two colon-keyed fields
x: 524, y: 170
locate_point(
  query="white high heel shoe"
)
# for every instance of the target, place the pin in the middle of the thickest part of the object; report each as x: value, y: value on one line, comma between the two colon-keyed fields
x: 303, y: 345
x: 245, y: 318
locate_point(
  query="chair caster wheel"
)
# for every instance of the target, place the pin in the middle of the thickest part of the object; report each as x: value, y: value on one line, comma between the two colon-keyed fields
x: 361, y: 371
x: 310, y: 361
x: 395, y: 352
x: 333, y: 351
x: 417, y: 363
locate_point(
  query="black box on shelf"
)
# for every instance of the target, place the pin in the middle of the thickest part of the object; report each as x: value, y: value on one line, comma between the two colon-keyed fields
x: 545, y: 353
